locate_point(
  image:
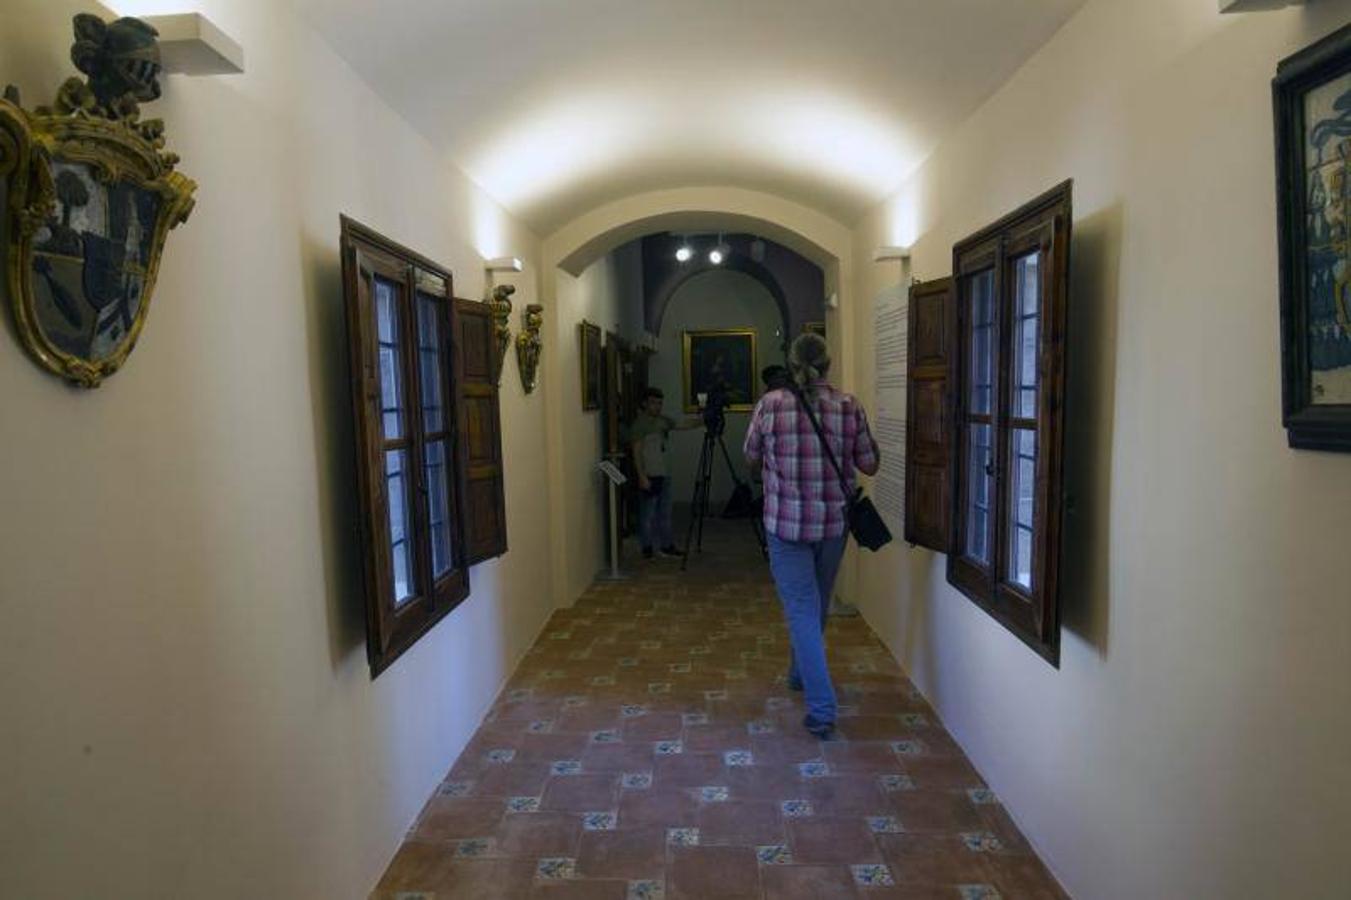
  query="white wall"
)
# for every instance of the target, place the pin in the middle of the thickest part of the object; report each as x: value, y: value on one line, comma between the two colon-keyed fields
x: 608, y: 294
x: 186, y: 702
x: 715, y: 299
x: 1194, y: 742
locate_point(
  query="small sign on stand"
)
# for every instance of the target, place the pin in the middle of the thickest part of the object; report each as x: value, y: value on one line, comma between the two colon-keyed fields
x: 615, y: 479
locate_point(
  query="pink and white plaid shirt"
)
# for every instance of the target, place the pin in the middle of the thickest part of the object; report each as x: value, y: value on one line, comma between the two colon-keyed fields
x: 803, y: 498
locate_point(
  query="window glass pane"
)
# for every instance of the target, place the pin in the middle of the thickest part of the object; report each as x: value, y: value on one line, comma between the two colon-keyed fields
x: 438, y: 501
x: 981, y: 292
x: 1022, y: 505
x: 429, y: 363
x: 981, y: 486
x: 400, y: 531
x: 387, y: 335
x: 1027, y: 290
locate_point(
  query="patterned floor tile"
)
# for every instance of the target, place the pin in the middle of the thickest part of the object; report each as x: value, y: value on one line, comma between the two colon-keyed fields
x: 648, y: 748
x: 557, y: 867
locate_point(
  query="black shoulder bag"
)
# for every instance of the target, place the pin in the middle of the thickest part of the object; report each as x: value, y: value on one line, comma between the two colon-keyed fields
x: 865, y: 522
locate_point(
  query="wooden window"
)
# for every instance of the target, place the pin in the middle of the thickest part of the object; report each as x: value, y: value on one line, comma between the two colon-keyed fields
x: 1008, y: 374
x: 414, y: 371
x: 928, y: 413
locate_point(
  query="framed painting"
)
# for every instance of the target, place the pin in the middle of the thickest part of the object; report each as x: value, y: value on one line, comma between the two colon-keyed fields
x: 589, y: 335
x: 1312, y: 99
x: 720, y: 360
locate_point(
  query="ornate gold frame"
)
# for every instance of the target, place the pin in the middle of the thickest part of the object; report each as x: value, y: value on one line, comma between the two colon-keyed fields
x: 117, y: 145
x: 589, y: 335
x: 687, y: 383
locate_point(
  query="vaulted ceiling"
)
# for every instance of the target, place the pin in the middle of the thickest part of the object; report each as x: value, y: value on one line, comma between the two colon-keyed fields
x: 557, y: 106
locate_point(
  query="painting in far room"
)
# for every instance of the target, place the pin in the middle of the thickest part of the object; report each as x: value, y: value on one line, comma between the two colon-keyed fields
x: 723, y: 358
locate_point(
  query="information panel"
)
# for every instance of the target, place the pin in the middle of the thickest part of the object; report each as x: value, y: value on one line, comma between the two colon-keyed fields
x: 890, y: 311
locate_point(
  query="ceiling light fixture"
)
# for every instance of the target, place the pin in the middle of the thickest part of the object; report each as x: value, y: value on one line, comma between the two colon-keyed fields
x: 718, y: 253
x: 684, y: 253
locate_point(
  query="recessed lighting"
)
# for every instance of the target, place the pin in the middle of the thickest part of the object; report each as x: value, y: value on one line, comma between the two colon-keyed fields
x: 715, y: 256
x: 684, y: 253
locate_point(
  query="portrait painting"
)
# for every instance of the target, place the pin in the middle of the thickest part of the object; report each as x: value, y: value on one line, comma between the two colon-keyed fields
x: 1312, y: 92
x: 722, y: 360
x: 589, y: 335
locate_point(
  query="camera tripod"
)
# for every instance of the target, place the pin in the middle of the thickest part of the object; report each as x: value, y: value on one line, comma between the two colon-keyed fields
x: 703, y: 481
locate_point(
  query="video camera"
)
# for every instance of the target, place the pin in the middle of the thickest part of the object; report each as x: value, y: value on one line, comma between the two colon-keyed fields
x: 715, y: 407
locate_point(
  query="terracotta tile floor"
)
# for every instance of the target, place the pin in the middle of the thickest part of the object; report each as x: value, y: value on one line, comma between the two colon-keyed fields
x: 648, y: 747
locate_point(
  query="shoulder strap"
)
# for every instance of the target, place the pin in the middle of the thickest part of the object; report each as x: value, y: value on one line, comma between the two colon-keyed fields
x: 825, y: 444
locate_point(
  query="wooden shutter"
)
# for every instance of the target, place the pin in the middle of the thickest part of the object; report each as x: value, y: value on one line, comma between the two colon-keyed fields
x: 1008, y: 437
x: 928, y: 417
x: 480, y: 437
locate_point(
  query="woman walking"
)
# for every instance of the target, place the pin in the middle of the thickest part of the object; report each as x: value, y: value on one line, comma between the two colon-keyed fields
x: 805, y: 515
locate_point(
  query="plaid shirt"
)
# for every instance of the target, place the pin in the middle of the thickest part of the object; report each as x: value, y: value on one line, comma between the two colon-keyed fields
x: 803, y: 498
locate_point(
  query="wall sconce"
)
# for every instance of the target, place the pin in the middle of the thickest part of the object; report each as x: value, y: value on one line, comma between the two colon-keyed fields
x: 191, y: 44
x: 882, y: 254
x: 1241, y: 6
x: 504, y: 264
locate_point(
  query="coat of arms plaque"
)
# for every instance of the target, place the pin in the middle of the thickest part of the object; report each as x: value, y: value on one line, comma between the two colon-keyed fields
x: 89, y: 196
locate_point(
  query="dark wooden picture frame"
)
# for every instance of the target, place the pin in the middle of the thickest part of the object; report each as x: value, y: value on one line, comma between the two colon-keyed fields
x: 588, y: 336
x: 1313, y: 200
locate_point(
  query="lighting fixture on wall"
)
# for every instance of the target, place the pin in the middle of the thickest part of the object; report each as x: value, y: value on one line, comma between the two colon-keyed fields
x: 191, y: 44
x: 503, y: 264
x: 1241, y: 6
x: 882, y: 254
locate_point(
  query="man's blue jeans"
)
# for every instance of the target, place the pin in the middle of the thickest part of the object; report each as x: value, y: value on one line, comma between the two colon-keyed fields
x: 654, y: 515
x: 804, y: 572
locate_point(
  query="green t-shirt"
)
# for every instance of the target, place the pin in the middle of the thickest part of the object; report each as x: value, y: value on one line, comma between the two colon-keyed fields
x: 650, y: 433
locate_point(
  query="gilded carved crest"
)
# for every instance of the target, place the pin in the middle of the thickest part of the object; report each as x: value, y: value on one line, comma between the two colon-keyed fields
x: 90, y: 196
x: 528, y: 346
x: 501, y: 307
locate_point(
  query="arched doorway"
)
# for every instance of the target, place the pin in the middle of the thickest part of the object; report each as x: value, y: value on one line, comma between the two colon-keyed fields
x: 576, y: 505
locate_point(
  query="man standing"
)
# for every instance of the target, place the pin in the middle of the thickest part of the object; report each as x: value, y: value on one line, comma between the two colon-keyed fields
x: 805, y: 519
x: 649, y: 445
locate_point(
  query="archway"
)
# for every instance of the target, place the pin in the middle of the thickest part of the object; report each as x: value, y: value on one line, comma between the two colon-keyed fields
x: 576, y: 499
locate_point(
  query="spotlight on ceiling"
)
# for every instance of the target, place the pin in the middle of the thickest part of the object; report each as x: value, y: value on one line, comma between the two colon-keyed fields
x: 715, y: 256
x: 684, y: 253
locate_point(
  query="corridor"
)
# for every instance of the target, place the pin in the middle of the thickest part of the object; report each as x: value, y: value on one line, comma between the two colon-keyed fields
x: 648, y: 747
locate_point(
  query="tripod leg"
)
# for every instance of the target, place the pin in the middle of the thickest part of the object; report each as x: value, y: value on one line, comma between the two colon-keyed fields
x: 757, y: 526
x: 706, y: 476
x: 698, y: 503
x: 731, y: 469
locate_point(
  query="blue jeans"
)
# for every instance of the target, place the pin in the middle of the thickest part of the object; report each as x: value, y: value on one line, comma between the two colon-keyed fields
x: 804, y: 572
x: 654, y: 515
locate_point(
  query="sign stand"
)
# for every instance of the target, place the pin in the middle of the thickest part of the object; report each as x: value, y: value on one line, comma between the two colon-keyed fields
x: 614, y: 479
